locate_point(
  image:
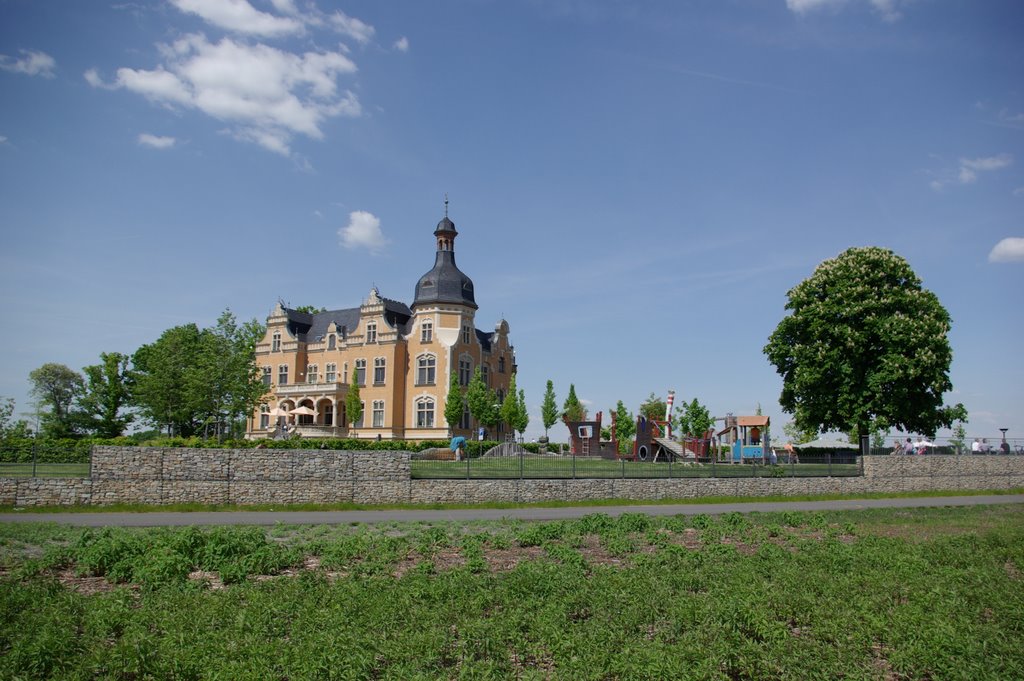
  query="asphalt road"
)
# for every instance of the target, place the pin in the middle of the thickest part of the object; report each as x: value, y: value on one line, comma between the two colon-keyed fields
x: 530, y: 513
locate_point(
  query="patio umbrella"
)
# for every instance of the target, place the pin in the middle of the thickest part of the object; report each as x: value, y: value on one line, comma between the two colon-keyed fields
x: 277, y: 411
x: 304, y: 411
x: 823, y: 443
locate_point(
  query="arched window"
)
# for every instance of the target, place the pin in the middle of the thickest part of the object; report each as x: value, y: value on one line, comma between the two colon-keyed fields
x: 331, y: 372
x: 379, y: 370
x: 332, y: 342
x: 425, y: 412
x: 465, y: 370
x: 267, y: 378
x: 426, y: 332
x: 312, y: 373
x: 426, y: 367
x: 264, y: 417
x: 378, y: 414
x: 282, y: 374
x: 361, y: 371
x: 371, y: 332
x: 275, y: 343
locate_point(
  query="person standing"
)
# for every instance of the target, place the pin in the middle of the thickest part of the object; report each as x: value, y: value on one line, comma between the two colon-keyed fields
x: 908, y: 447
x: 976, y: 446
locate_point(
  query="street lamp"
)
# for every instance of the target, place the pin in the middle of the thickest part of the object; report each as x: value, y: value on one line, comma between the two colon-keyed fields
x: 1003, y: 445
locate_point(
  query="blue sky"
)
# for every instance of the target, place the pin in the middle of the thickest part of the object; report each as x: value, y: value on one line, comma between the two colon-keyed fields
x: 636, y: 185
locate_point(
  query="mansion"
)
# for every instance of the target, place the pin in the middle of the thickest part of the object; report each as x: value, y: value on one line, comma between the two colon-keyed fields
x: 401, y: 357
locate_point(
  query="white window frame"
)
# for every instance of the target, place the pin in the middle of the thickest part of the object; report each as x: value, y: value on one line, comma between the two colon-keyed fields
x: 282, y: 374
x: 424, y: 416
x: 361, y: 372
x: 332, y: 342
x: 426, y: 369
x: 312, y: 373
x: 371, y: 332
x: 275, y: 342
x: 264, y: 417
x: 330, y: 372
x: 378, y: 414
x: 427, y: 332
x: 380, y: 366
x: 268, y: 376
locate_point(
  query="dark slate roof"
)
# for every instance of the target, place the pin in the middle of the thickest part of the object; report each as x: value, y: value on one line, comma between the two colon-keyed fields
x: 313, y: 327
x: 445, y: 225
x: 485, y: 339
x: 445, y: 283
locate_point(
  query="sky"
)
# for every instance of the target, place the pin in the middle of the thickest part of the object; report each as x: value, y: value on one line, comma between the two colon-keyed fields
x: 636, y: 185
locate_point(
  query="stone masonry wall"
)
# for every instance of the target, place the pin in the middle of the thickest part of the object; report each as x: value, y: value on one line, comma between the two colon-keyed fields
x: 151, y: 475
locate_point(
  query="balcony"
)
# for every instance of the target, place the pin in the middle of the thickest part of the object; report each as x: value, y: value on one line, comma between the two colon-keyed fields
x: 309, y: 388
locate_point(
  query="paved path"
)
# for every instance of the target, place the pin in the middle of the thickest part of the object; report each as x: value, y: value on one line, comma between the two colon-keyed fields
x: 529, y: 513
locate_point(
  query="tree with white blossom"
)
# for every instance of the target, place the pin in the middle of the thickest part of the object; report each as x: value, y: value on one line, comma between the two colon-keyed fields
x: 865, y: 345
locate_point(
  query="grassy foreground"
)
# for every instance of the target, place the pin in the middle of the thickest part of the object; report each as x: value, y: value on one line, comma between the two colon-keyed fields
x: 878, y: 594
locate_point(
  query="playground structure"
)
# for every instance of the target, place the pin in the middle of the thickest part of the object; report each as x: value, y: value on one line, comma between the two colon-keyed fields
x: 585, y: 438
x: 746, y: 437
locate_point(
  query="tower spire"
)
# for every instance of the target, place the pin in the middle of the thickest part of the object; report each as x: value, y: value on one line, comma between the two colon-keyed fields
x: 446, y: 204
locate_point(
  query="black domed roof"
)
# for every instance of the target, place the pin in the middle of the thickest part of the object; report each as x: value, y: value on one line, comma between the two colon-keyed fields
x: 445, y: 282
x: 445, y: 225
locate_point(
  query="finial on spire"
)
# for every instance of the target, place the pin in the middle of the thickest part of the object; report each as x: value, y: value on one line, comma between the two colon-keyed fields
x: 446, y: 204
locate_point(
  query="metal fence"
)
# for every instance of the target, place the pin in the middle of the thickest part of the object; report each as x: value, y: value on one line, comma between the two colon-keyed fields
x: 946, y: 445
x: 524, y: 465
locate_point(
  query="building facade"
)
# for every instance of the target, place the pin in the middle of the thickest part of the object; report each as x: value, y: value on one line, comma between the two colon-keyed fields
x: 401, y: 356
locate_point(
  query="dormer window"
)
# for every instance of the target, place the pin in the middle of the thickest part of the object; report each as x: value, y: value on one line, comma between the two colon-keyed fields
x: 332, y: 342
x: 275, y: 343
x: 426, y: 332
x: 371, y: 332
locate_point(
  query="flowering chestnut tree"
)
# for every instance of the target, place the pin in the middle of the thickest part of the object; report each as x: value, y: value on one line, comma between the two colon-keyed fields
x: 865, y: 346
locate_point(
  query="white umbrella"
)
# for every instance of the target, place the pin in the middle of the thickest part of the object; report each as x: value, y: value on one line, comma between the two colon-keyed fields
x: 827, y: 444
x: 277, y: 411
x: 924, y: 443
x: 304, y: 411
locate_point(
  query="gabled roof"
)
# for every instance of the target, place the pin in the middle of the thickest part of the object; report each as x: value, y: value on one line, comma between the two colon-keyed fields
x: 485, y: 339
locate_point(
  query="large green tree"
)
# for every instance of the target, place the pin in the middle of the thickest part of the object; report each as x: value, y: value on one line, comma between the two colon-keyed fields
x: 549, y: 408
x: 653, y: 408
x: 226, y: 381
x: 693, y: 418
x: 864, y: 343
x: 164, y: 376
x: 454, y: 404
x: 572, y: 408
x: 56, y: 387
x: 107, y: 394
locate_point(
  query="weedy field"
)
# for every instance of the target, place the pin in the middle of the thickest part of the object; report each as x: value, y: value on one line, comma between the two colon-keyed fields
x: 879, y: 594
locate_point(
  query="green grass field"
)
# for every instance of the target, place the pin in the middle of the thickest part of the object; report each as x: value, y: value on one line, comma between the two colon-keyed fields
x: 593, y: 467
x: 881, y: 594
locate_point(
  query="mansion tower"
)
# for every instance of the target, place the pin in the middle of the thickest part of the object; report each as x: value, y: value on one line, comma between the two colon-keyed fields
x: 402, y: 357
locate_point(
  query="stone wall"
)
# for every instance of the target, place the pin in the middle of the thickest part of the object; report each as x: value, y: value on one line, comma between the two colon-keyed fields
x: 274, y: 476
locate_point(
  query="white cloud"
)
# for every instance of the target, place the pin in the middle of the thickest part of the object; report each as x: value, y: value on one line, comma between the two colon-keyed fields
x: 363, y: 231
x: 1019, y: 191
x: 33, y: 63
x: 1010, y: 249
x: 402, y: 44
x: 3, y: 139
x: 887, y: 9
x: 352, y: 27
x: 241, y: 17
x: 266, y: 94
x: 970, y: 167
x: 156, y: 141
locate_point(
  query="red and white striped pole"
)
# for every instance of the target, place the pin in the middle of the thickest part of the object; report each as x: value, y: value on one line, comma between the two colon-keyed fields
x: 668, y: 410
